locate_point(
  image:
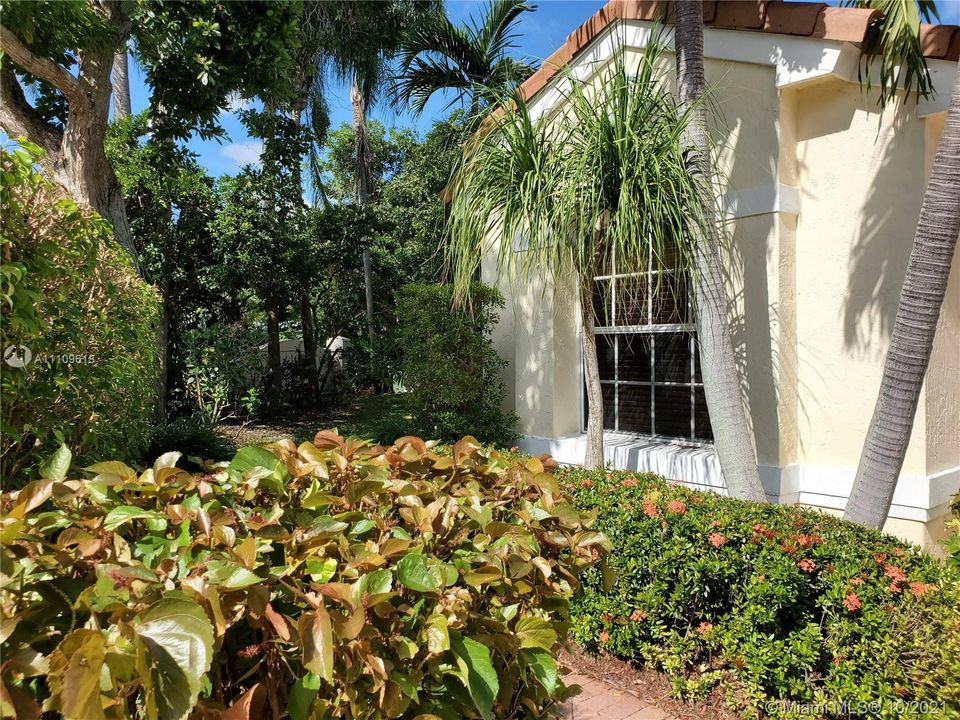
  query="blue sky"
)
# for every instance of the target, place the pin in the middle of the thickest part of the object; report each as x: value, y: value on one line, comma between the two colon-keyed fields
x: 539, y: 34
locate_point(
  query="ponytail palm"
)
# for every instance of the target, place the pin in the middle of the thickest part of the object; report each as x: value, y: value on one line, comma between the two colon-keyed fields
x: 554, y: 197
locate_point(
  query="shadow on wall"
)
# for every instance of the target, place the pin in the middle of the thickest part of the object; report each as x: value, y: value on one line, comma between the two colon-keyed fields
x: 746, y: 136
x: 881, y: 250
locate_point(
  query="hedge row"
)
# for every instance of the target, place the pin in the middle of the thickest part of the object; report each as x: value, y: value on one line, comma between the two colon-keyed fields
x: 86, y: 322
x: 334, y: 579
x: 787, y: 610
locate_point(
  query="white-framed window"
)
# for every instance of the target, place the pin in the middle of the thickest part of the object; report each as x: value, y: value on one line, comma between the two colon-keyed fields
x: 647, y: 353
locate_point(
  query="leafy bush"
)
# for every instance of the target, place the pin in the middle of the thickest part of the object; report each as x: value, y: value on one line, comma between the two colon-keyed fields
x: 332, y: 580
x: 223, y: 373
x: 195, y: 439
x: 69, y: 295
x: 771, y: 602
x: 450, y: 366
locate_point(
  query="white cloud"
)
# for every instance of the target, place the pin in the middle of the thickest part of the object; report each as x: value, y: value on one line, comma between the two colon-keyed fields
x: 245, y: 153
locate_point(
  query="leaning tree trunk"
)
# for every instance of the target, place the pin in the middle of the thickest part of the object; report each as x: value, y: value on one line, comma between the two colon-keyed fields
x: 924, y: 287
x: 75, y: 156
x: 728, y: 416
x: 591, y: 377
x: 121, y: 85
x: 361, y: 154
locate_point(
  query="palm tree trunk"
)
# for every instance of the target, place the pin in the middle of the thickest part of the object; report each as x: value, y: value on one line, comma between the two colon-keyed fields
x: 121, y: 85
x: 593, y: 457
x: 728, y: 416
x: 924, y: 287
x: 361, y: 153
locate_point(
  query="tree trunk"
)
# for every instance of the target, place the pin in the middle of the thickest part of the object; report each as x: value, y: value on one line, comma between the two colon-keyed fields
x: 309, y: 332
x: 361, y: 154
x: 121, y: 85
x: 591, y: 376
x: 274, y: 365
x: 728, y: 416
x: 911, y: 342
x: 75, y: 157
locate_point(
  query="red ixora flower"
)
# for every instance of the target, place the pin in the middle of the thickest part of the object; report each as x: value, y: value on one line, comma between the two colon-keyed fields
x: 851, y: 602
x: 604, y: 636
x: 637, y: 616
x: 629, y: 482
x: 716, y: 539
x: 921, y: 588
x: 677, y: 506
x: 880, y: 558
x: 588, y: 483
x: 807, y: 565
x: 804, y: 540
x: 649, y: 509
x: 856, y: 581
x: 894, y: 573
x: 704, y: 627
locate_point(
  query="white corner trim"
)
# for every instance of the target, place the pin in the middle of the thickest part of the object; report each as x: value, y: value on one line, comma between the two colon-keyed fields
x: 918, y: 497
x: 762, y: 200
x: 796, y: 60
x: 942, y: 73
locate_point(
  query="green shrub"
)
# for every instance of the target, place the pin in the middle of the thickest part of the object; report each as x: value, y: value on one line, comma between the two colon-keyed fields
x: 450, y: 366
x: 193, y: 438
x: 223, y: 373
x: 333, y: 580
x: 69, y: 294
x: 771, y: 602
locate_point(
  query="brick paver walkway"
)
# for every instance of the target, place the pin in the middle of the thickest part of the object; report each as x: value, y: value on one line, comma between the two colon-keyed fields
x: 599, y: 701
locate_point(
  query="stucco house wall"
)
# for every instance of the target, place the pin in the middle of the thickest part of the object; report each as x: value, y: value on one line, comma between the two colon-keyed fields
x: 822, y: 193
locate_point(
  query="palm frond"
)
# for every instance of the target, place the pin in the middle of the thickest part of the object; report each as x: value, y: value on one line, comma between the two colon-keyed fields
x: 496, y: 32
x: 894, y: 39
x: 552, y: 196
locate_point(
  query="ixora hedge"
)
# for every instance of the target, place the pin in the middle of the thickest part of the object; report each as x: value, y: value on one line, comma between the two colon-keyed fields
x: 330, y: 580
x: 790, y: 611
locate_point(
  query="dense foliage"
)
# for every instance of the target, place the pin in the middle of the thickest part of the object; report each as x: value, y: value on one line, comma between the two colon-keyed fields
x: 775, y: 604
x: 450, y: 367
x: 333, y: 579
x: 70, y: 296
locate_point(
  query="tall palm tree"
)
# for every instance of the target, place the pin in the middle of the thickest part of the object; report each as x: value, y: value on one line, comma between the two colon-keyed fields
x: 728, y: 416
x: 471, y: 60
x: 611, y: 180
x: 121, y: 84
x: 911, y: 342
x: 894, y: 44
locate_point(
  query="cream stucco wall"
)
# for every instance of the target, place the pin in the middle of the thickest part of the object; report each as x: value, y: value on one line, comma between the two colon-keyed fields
x: 823, y: 193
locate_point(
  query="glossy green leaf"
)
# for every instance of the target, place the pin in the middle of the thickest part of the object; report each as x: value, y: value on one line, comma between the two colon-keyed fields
x: 476, y: 671
x: 301, y: 696
x: 179, y: 637
x: 58, y: 465
x: 412, y: 571
x: 543, y: 666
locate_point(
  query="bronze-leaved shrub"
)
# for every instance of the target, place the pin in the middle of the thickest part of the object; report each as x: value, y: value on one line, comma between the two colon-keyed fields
x: 331, y: 580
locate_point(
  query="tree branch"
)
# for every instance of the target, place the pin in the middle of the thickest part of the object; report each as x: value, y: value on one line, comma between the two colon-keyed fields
x: 18, y: 118
x: 43, y: 68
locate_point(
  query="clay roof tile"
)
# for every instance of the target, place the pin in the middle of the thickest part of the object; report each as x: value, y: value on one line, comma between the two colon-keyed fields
x: 847, y: 24
x: 740, y: 14
x: 792, y: 18
x: 935, y: 39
